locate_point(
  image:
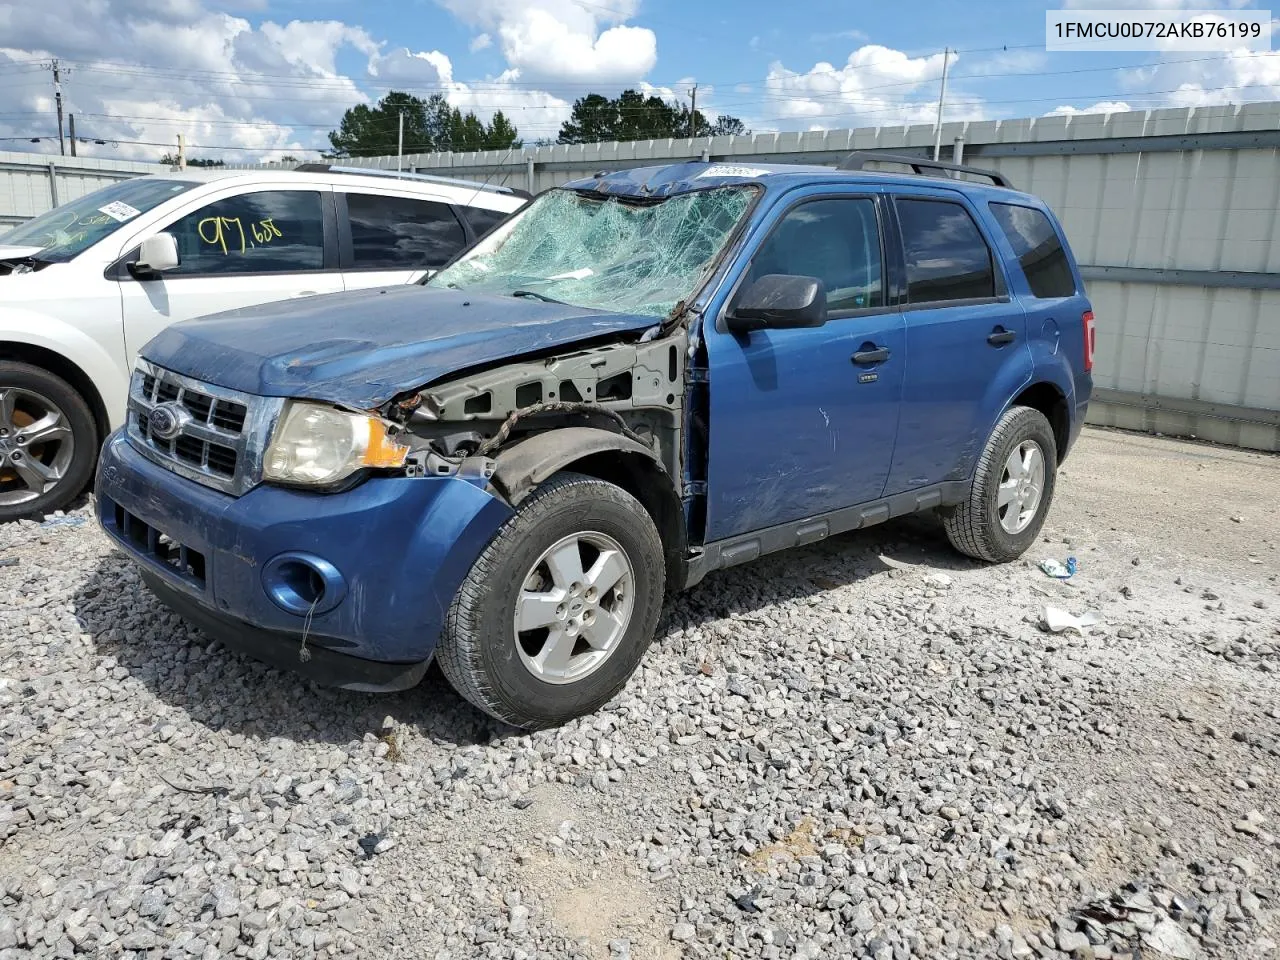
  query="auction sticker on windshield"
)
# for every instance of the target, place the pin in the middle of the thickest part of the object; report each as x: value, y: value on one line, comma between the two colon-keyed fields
x: 119, y: 210
x: 728, y: 170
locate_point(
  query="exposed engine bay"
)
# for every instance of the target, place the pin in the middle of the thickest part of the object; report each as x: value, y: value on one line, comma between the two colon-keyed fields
x: 636, y: 390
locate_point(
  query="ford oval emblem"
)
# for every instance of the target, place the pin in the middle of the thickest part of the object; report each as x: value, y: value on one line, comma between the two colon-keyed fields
x: 167, y: 420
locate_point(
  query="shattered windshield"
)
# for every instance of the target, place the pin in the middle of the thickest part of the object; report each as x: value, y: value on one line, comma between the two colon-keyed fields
x: 607, y: 253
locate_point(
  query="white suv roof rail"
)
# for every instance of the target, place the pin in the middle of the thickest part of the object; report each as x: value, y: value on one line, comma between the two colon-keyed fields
x: 402, y: 175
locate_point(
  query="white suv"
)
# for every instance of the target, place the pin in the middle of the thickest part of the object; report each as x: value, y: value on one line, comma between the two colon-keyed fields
x: 84, y: 286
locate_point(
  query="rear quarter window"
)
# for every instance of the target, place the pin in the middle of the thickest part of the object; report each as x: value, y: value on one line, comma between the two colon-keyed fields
x: 1039, y: 250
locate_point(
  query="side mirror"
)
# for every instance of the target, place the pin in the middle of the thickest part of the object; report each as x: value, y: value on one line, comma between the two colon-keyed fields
x: 777, y: 301
x: 157, y: 254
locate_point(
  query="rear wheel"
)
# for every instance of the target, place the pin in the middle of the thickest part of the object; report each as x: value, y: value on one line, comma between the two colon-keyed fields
x: 48, y: 441
x: 556, y: 613
x: 1012, y: 489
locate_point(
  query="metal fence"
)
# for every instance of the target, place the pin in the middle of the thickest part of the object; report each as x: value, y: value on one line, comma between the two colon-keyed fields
x: 1174, y: 216
x: 31, y: 183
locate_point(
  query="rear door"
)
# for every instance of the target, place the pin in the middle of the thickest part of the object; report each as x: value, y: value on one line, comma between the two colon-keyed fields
x: 239, y: 250
x: 391, y: 239
x: 802, y: 421
x: 965, y: 336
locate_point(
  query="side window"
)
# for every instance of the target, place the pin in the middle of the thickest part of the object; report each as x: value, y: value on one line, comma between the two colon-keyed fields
x: 400, y: 233
x: 947, y: 259
x: 481, y: 220
x: 1039, y: 250
x: 275, y: 231
x: 835, y: 240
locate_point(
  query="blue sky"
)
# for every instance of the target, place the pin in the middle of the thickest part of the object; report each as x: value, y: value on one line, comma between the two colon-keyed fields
x: 254, y: 79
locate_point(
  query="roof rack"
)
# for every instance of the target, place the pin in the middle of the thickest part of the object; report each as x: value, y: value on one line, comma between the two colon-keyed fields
x: 403, y: 175
x: 922, y: 167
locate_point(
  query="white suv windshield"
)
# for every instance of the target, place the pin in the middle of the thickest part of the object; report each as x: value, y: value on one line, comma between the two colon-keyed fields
x: 623, y: 254
x: 72, y: 228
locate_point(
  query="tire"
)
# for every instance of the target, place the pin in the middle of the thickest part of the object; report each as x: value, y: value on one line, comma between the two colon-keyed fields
x: 38, y: 478
x: 589, y: 646
x: 981, y: 526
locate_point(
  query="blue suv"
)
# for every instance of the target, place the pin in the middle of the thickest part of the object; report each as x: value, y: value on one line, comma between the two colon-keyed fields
x: 642, y: 377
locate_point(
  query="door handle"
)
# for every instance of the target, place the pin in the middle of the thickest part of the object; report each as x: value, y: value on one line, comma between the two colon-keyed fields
x: 1000, y: 336
x: 305, y: 293
x: 869, y: 358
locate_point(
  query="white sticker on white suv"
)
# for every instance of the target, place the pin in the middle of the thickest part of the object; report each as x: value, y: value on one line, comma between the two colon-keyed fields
x: 119, y: 210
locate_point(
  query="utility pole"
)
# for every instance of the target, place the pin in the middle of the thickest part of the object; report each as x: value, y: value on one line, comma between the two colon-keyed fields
x: 182, y: 152
x: 693, y: 113
x: 57, y: 99
x: 400, y: 145
x: 71, y: 123
x: 942, y: 96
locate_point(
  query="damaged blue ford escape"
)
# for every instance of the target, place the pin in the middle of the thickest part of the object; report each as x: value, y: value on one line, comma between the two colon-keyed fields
x: 642, y: 377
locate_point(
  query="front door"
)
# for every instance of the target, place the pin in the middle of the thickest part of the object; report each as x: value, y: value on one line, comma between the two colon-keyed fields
x: 237, y: 251
x: 802, y: 421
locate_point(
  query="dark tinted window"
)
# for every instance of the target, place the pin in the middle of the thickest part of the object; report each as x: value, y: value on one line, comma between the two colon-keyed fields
x: 482, y: 221
x: 837, y: 241
x: 947, y: 259
x: 270, y: 232
x: 1038, y: 248
x: 398, y: 233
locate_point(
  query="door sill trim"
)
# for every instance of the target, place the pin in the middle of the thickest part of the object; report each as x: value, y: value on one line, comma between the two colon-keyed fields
x: 746, y: 547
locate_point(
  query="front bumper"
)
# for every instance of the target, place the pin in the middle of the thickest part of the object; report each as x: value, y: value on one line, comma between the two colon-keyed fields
x: 400, y: 546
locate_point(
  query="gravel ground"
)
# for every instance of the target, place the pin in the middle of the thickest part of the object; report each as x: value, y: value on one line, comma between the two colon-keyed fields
x: 868, y: 747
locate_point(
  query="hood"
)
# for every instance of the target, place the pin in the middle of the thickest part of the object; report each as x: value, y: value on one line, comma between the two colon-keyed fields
x: 10, y: 252
x: 363, y: 347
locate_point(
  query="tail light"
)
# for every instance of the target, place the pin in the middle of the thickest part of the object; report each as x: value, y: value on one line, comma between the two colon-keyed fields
x: 1087, y: 319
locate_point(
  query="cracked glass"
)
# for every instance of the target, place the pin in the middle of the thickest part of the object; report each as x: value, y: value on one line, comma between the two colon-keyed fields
x: 620, y: 254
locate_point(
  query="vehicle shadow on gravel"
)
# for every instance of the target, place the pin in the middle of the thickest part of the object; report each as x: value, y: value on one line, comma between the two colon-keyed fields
x: 916, y: 541
x: 226, y: 691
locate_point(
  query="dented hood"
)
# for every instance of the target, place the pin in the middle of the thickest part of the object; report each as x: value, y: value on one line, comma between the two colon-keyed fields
x: 363, y: 347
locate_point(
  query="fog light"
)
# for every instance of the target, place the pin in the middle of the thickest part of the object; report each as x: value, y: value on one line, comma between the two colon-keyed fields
x: 302, y: 583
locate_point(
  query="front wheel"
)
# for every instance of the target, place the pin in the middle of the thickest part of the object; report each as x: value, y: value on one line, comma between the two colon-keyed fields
x: 555, y: 615
x: 1012, y: 489
x: 48, y: 441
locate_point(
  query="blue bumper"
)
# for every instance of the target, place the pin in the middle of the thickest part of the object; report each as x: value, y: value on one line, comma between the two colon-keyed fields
x: 394, y: 551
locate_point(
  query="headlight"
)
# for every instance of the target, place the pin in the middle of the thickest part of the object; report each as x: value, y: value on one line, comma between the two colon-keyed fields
x: 318, y: 445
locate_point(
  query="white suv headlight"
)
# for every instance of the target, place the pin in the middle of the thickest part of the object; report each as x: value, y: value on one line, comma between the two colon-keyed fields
x: 316, y: 445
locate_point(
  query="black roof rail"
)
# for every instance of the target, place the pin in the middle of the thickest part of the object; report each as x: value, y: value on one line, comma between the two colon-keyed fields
x: 405, y: 175
x: 922, y: 167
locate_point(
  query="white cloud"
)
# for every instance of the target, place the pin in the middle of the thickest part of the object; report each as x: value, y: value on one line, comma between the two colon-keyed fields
x: 1102, y: 106
x: 139, y: 72
x: 242, y: 92
x: 876, y: 86
x: 564, y: 40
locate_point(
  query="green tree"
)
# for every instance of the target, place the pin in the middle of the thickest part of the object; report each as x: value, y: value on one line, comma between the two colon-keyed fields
x: 633, y: 116
x: 430, y: 124
x: 726, y: 126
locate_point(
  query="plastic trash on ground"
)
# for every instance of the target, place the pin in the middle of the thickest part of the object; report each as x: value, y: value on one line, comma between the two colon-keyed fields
x: 1059, y: 571
x: 1058, y: 620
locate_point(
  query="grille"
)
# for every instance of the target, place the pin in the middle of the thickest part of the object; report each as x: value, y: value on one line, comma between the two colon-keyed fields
x: 212, y: 444
x: 160, y: 547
